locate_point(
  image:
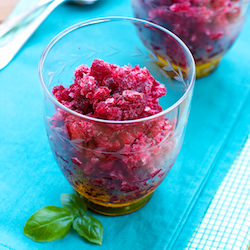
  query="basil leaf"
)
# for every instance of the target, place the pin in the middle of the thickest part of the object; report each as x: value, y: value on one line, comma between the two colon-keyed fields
x: 74, y: 204
x: 49, y: 223
x: 89, y: 228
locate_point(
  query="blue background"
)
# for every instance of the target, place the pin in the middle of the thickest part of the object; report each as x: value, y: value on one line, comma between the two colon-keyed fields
x: 30, y: 179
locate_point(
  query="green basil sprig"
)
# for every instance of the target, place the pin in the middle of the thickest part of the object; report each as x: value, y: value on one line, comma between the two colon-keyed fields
x: 54, y: 223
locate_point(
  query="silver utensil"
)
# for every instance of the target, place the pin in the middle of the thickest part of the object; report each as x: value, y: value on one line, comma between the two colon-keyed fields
x: 13, y: 22
x: 9, y: 50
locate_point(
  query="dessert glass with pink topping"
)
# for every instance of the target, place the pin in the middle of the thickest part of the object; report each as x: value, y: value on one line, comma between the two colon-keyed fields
x: 114, y: 118
x: 207, y: 27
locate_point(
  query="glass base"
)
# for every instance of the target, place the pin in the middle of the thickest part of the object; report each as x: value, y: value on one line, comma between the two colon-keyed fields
x: 203, y: 69
x: 118, y: 209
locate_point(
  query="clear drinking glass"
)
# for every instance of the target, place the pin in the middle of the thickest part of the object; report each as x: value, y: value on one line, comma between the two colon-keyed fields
x: 207, y: 27
x: 116, y: 165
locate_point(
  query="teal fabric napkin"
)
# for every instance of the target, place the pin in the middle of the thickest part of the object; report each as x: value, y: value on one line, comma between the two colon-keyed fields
x: 30, y: 179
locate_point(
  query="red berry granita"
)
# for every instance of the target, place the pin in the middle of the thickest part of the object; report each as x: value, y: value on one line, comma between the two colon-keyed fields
x: 107, y: 160
x: 208, y: 27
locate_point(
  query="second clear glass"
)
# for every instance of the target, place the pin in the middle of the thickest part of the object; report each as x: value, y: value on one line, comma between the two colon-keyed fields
x: 207, y: 27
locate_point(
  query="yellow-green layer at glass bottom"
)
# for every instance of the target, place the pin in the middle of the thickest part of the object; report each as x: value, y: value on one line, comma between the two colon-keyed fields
x: 204, y: 69
x: 118, y: 209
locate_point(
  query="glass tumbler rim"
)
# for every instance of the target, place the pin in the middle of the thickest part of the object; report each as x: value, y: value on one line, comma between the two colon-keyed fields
x: 110, y: 19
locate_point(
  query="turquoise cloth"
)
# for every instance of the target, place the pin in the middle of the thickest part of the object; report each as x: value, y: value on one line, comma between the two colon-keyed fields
x: 30, y: 179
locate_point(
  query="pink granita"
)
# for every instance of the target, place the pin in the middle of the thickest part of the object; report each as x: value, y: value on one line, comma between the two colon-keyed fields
x: 111, y: 92
x: 208, y: 27
x: 112, y: 162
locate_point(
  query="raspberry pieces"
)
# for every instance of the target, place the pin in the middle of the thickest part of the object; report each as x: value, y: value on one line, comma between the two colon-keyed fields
x: 111, y: 92
x: 112, y: 161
